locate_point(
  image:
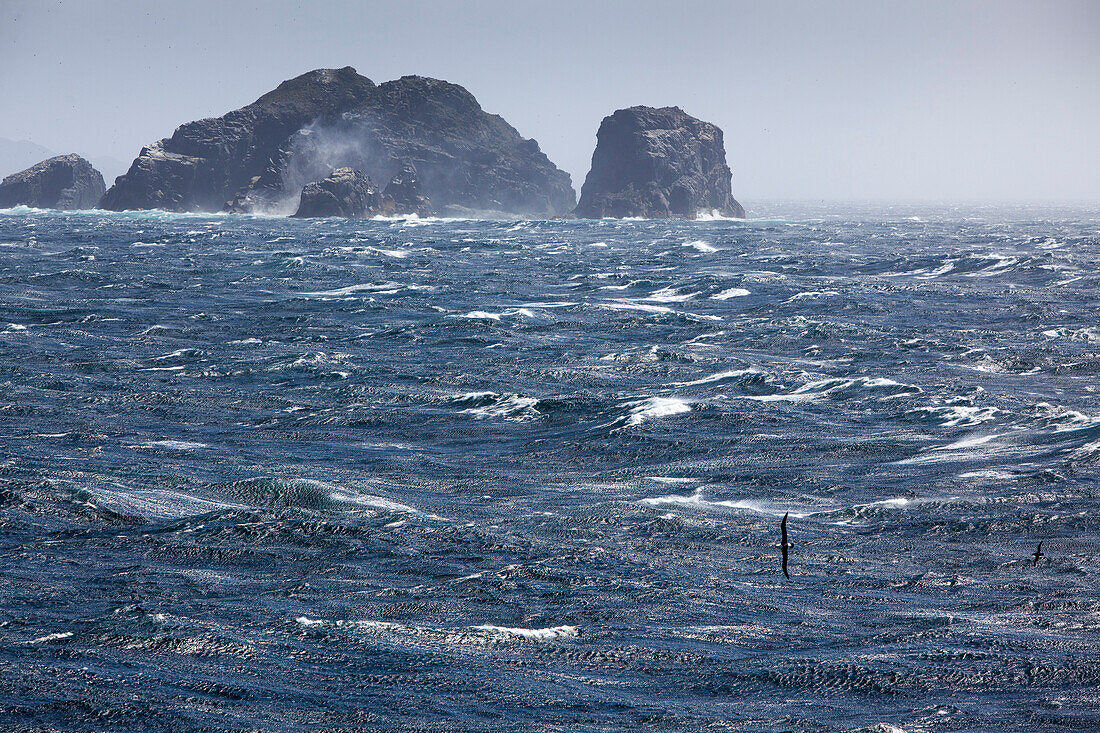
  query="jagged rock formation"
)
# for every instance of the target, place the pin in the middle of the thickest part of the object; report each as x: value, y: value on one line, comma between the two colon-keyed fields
x: 658, y: 164
x: 346, y: 192
x: 350, y: 194
x: 404, y: 193
x: 260, y: 157
x: 64, y: 182
x: 206, y: 162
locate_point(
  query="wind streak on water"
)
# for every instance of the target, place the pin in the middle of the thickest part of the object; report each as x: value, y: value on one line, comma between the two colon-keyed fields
x: 461, y: 475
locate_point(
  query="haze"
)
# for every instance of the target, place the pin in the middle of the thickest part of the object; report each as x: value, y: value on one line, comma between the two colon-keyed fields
x: 952, y: 101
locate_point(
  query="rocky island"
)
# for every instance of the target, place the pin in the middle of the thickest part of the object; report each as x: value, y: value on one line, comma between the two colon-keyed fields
x: 260, y: 158
x: 63, y: 182
x: 657, y: 163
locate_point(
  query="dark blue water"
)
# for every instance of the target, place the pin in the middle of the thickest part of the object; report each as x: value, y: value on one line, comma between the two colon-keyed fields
x: 283, y: 475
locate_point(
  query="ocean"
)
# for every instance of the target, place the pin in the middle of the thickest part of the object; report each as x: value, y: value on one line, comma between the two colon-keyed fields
x: 458, y: 475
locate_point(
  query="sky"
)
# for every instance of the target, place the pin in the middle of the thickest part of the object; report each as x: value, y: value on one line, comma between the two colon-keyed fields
x: 830, y: 101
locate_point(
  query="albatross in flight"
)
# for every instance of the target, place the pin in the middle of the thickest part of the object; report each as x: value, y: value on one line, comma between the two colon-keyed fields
x: 785, y: 545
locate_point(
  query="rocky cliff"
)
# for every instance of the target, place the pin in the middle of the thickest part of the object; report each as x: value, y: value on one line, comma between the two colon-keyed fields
x: 206, y: 162
x: 64, y: 182
x: 260, y: 157
x: 657, y: 163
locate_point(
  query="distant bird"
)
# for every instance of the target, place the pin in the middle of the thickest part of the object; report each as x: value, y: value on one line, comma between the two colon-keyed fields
x: 785, y: 545
x: 1037, y: 554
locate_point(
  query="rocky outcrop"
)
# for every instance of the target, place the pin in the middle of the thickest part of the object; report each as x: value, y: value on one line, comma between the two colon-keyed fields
x: 260, y: 157
x: 350, y: 194
x: 64, y: 182
x: 346, y: 192
x: 403, y: 192
x: 658, y: 164
x: 205, y: 163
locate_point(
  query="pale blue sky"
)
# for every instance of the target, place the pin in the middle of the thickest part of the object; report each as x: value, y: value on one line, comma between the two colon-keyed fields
x: 841, y: 100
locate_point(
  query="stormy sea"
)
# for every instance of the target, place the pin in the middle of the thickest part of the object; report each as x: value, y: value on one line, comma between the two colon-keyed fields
x: 459, y: 475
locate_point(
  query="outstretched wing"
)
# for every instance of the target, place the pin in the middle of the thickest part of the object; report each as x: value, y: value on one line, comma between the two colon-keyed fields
x: 784, y: 545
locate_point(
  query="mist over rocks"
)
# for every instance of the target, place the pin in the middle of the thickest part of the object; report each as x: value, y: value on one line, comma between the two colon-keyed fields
x: 205, y: 163
x: 657, y: 163
x: 467, y: 160
x: 259, y: 158
x: 61, y: 182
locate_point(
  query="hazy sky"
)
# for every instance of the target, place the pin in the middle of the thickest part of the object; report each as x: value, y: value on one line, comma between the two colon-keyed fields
x: 818, y: 100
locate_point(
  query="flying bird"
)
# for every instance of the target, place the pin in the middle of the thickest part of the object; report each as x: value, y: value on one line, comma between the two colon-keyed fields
x: 1037, y: 554
x: 785, y: 545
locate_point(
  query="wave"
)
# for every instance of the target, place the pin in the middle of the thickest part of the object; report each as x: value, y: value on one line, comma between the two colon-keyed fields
x: 383, y: 288
x: 179, y: 445
x: 463, y: 635
x: 722, y: 376
x: 670, y: 295
x: 509, y: 406
x: 730, y: 293
x: 701, y: 246
x: 655, y: 407
x: 840, y: 388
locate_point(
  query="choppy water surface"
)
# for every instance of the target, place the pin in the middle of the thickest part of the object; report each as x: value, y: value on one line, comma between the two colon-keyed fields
x: 456, y: 475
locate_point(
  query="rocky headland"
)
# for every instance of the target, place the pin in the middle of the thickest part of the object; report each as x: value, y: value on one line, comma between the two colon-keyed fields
x: 62, y: 182
x: 657, y: 163
x: 262, y: 156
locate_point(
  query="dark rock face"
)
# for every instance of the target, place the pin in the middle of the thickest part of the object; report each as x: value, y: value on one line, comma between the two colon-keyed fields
x: 658, y: 164
x: 346, y: 193
x: 205, y: 163
x: 404, y: 193
x: 260, y: 157
x: 64, y: 182
x: 350, y: 194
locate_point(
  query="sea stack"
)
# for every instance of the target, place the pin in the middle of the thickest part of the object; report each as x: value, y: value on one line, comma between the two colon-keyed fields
x: 259, y: 158
x: 350, y: 194
x: 64, y: 182
x: 657, y: 163
x: 347, y: 193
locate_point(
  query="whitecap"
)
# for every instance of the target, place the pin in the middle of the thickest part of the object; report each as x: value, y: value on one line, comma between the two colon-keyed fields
x: 961, y: 415
x: 813, y: 294
x: 511, y: 407
x: 721, y: 376
x: 1074, y: 334
x: 670, y: 295
x: 378, y: 502
x: 396, y: 253
x: 730, y: 293
x: 967, y: 443
x: 824, y: 387
x: 696, y: 500
x: 481, y: 316
x: 546, y: 634
x: 700, y: 245
x: 181, y: 445
x: 373, y: 288
x: 656, y: 407
x: 628, y: 305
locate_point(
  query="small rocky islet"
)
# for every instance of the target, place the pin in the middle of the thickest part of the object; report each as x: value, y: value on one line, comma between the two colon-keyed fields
x: 317, y: 144
x: 63, y: 182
